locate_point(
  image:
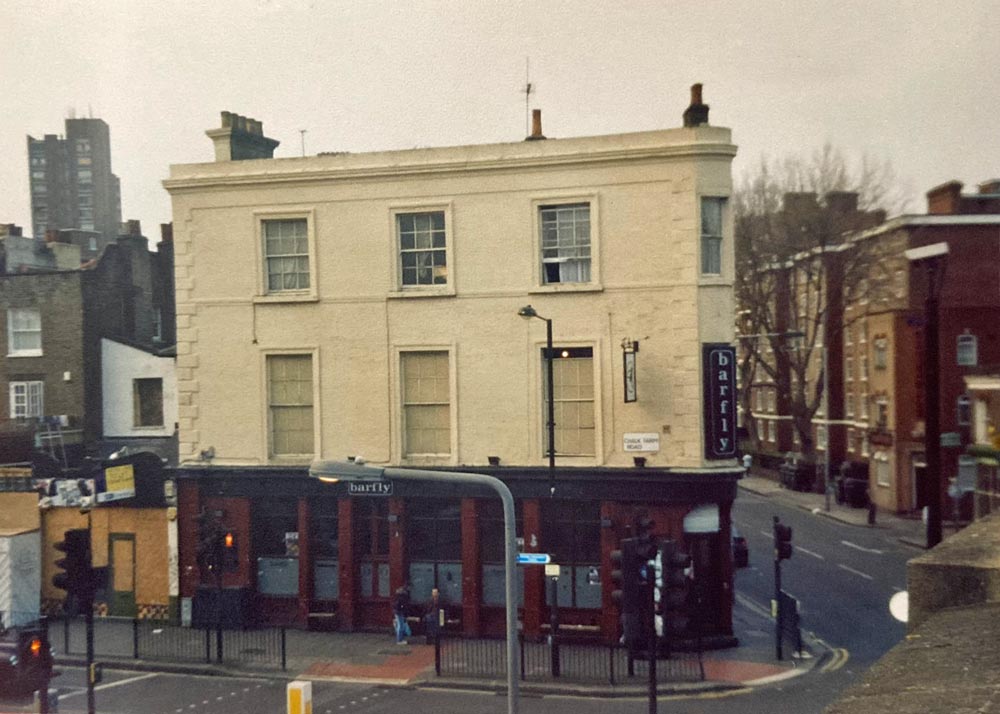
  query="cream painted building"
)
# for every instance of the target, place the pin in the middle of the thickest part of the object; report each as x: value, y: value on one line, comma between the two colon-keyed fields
x: 368, y: 305
x: 304, y: 264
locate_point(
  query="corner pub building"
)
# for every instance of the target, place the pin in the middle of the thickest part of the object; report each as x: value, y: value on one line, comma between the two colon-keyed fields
x: 368, y: 304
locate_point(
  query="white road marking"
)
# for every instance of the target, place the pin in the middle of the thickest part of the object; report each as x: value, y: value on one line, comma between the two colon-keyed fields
x: 109, y: 685
x: 866, y: 576
x: 809, y: 552
x: 767, y: 534
x: 849, y: 544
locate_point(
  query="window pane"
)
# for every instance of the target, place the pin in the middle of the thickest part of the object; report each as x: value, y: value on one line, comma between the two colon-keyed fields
x: 286, y: 253
x: 422, y: 241
x: 426, y: 403
x: 565, y: 241
x: 573, y: 390
x: 147, y: 396
x: 711, y: 235
x: 290, y: 403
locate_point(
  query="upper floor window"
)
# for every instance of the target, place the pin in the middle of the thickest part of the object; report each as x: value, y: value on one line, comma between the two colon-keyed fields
x: 426, y: 403
x: 967, y: 350
x: 286, y: 254
x: 157, y: 324
x: 964, y: 410
x: 711, y: 235
x: 26, y: 400
x: 84, y: 176
x: 290, y: 405
x: 573, y: 399
x: 24, y: 332
x: 881, y: 345
x: 565, y: 241
x: 849, y: 369
x: 423, y: 256
x: 83, y: 146
x: 147, y: 402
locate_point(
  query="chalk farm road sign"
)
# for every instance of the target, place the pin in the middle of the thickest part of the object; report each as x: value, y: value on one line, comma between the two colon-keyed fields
x: 369, y: 488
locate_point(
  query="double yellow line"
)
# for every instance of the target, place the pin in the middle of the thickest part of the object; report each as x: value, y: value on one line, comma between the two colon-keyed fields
x: 838, y: 660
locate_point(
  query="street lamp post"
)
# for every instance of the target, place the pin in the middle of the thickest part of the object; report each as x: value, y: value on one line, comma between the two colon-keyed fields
x: 933, y: 257
x: 356, y: 470
x: 528, y: 312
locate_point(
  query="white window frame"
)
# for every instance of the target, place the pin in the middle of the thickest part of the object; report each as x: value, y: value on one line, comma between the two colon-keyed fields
x: 12, y: 332
x: 264, y: 293
x: 712, y: 243
x: 881, y: 352
x: 555, y: 201
x: 395, y: 259
x: 967, y: 350
x: 849, y: 369
x: 595, y: 382
x: 420, y: 455
x: 849, y: 403
x: 20, y: 404
x: 883, y: 477
x: 268, y: 453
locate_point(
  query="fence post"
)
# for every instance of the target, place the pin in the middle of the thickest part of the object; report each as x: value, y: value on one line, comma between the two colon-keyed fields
x: 611, y: 663
x: 208, y: 646
x: 135, y: 638
x: 284, y: 654
x: 437, y: 654
x: 520, y: 641
x: 65, y: 633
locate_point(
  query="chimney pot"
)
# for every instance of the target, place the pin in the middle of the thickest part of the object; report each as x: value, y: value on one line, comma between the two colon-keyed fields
x: 536, y: 125
x: 697, y: 113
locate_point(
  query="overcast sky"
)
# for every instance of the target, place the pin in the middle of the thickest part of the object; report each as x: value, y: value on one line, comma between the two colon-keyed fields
x: 912, y: 82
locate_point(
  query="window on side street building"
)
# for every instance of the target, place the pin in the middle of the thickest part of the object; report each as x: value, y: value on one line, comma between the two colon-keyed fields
x: 26, y: 399
x: 24, y: 332
x: 967, y: 350
x: 571, y: 532
x: 147, y: 402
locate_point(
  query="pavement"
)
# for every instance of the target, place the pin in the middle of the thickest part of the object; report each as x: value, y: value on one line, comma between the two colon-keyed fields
x: 375, y: 658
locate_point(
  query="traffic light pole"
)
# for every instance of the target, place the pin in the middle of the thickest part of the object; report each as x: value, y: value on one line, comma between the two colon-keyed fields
x: 89, y: 620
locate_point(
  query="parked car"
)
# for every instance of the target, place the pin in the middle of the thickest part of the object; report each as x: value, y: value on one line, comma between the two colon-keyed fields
x: 741, y: 553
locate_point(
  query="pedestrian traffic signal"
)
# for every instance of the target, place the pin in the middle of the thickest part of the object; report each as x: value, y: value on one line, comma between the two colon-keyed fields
x: 34, y: 656
x: 782, y: 540
x: 674, y: 589
x: 76, y: 577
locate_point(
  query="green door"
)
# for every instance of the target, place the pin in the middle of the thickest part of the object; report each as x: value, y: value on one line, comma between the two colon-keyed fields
x: 121, y: 590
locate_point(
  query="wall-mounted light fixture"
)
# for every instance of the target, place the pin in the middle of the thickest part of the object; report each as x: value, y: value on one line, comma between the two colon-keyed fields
x: 639, y: 461
x: 494, y: 460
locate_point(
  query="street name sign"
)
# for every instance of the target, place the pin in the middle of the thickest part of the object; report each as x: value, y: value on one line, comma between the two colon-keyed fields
x: 533, y: 558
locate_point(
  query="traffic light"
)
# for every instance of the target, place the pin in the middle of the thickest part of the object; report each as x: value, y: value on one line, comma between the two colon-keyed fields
x: 782, y: 540
x: 624, y: 566
x: 674, y: 589
x: 76, y: 578
x: 34, y: 656
x: 230, y: 552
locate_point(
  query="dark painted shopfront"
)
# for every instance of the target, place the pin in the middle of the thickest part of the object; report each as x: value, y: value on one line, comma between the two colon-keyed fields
x: 312, y: 553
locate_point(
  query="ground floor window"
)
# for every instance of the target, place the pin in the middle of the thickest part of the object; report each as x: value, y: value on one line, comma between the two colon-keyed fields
x: 571, y: 533
x: 434, y: 539
x: 325, y: 542
x: 492, y: 540
x: 275, y: 539
x: 371, y: 534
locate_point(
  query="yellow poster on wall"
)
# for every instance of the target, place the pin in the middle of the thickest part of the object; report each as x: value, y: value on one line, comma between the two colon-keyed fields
x: 119, y: 483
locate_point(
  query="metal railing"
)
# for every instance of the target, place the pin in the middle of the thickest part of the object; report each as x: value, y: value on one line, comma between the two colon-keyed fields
x: 575, y: 661
x: 158, y: 640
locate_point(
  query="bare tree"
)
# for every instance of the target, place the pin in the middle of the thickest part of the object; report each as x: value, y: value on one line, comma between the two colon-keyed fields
x: 796, y: 268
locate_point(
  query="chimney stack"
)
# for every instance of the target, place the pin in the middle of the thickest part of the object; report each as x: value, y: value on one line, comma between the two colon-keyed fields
x: 697, y: 113
x: 536, y: 126
x: 241, y: 138
x: 945, y: 199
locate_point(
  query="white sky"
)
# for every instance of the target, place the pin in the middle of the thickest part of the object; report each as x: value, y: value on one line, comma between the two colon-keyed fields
x: 914, y: 82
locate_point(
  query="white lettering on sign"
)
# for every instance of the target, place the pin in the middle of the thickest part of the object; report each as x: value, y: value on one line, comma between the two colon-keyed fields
x: 641, y: 442
x: 720, y: 423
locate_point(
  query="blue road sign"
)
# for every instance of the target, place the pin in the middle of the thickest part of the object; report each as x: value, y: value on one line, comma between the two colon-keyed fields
x: 533, y: 558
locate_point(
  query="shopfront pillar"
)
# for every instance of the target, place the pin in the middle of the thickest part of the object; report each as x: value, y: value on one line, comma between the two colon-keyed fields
x: 347, y: 601
x: 306, y: 571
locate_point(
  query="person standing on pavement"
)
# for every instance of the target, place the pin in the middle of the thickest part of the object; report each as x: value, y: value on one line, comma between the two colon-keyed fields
x: 400, y: 608
x: 432, y: 618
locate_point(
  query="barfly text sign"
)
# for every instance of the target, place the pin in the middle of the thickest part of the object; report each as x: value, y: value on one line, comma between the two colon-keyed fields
x: 719, y: 369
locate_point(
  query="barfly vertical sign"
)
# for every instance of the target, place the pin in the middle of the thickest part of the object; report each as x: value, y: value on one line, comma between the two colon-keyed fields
x: 719, y: 368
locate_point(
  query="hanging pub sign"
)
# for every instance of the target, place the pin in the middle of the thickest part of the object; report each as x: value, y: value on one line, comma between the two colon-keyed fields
x: 719, y: 370
x: 629, y: 350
